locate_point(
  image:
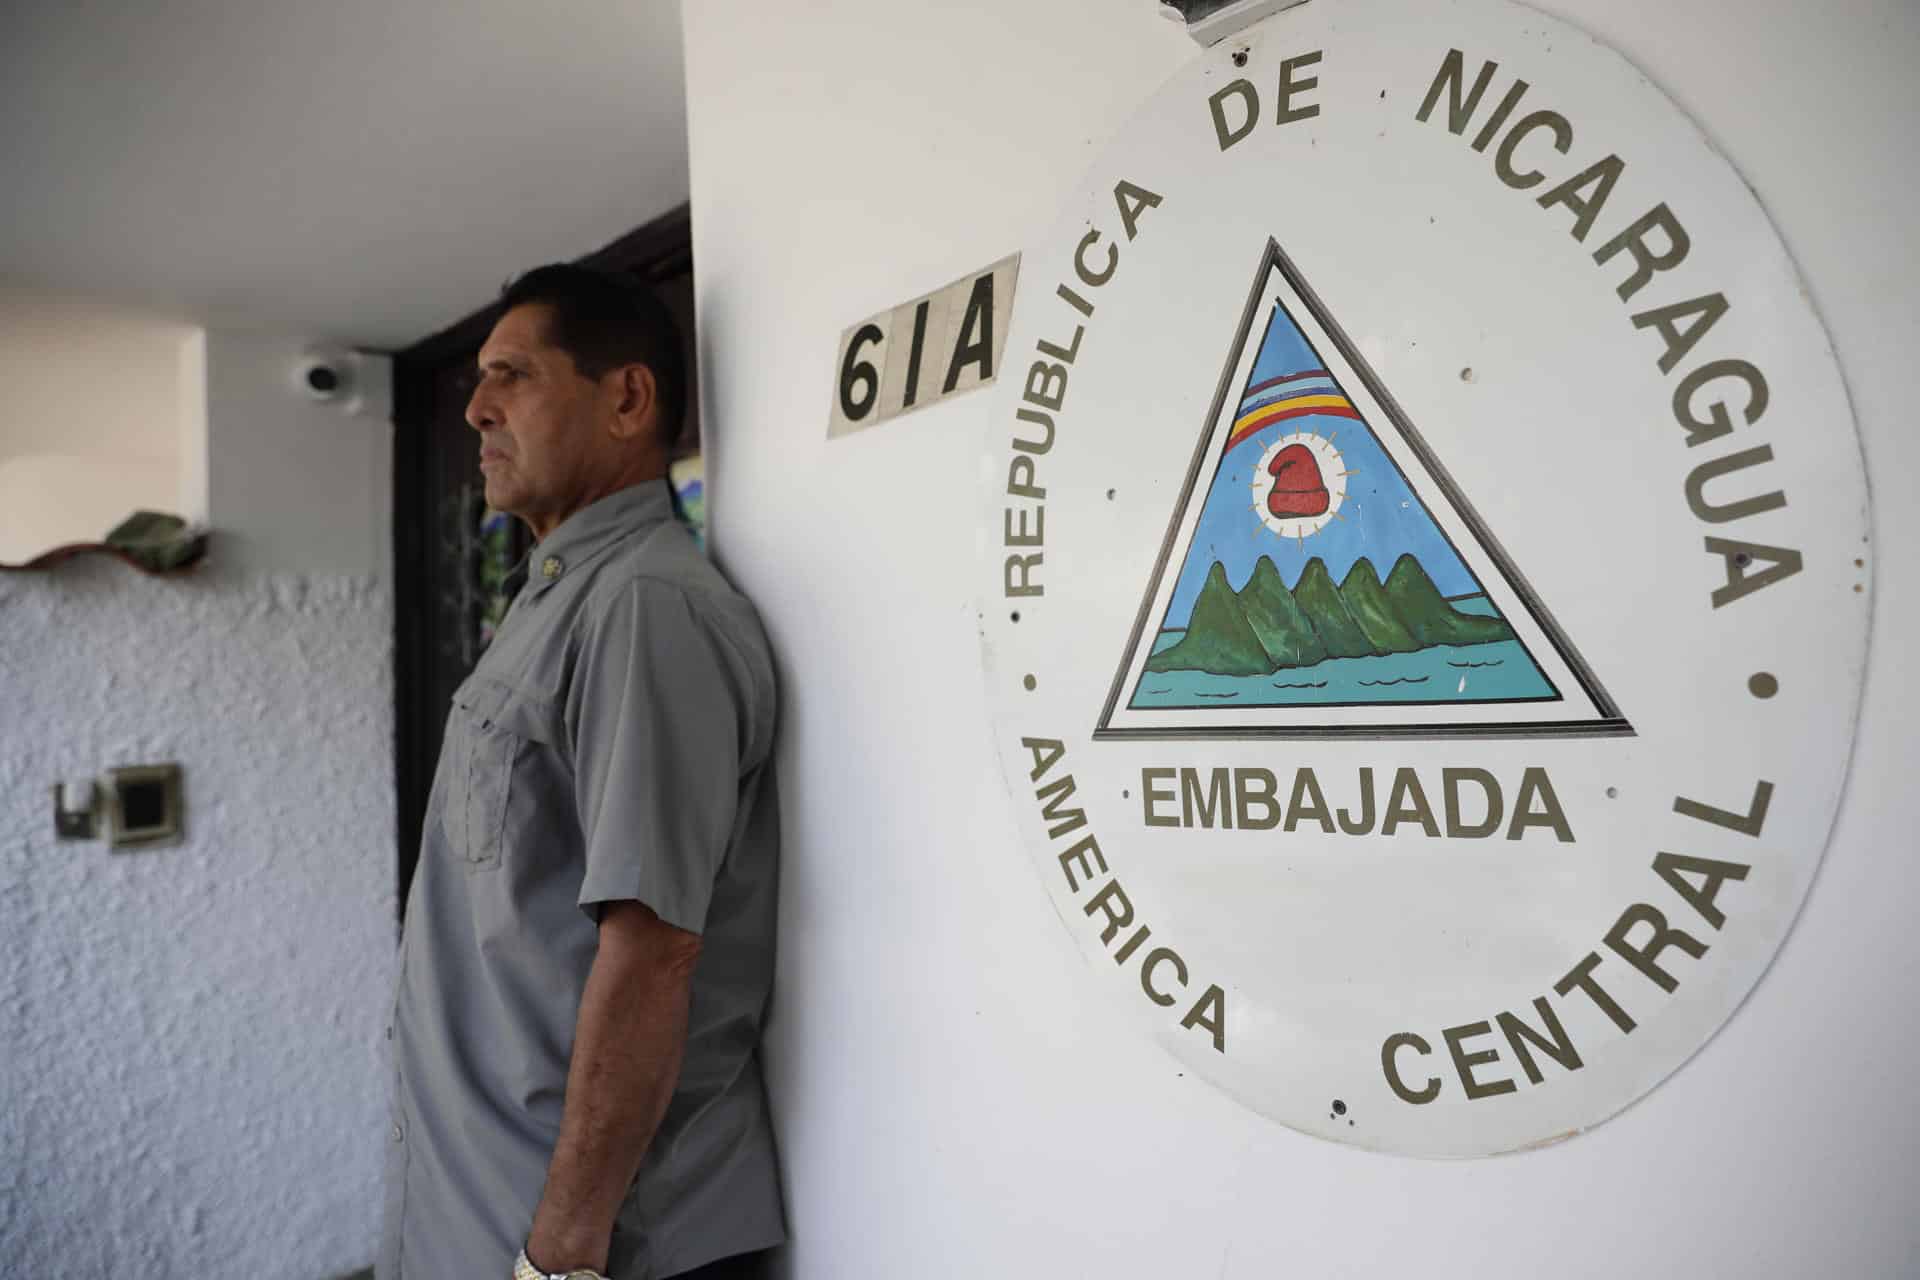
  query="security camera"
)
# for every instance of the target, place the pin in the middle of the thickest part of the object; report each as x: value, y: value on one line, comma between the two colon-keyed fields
x: 326, y: 376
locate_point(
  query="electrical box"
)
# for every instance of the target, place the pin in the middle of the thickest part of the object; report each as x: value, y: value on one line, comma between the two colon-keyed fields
x: 144, y: 806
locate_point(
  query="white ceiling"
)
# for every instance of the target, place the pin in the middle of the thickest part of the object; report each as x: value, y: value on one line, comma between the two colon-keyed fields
x: 367, y: 171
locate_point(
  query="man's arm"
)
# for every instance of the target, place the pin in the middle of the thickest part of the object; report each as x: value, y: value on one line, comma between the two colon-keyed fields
x: 627, y: 1046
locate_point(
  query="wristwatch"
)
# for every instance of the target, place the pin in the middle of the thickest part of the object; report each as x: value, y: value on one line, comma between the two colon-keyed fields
x: 523, y: 1269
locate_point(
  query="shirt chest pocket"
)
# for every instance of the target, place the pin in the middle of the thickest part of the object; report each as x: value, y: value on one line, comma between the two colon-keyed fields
x: 491, y: 731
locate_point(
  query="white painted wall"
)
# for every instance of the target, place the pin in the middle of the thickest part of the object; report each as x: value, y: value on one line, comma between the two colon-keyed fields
x: 194, y: 1079
x: 96, y: 420
x: 952, y: 1099
x: 297, y: 485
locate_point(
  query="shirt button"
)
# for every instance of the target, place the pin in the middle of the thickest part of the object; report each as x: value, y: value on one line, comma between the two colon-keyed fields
x: 396, y: 1133
x: 551, y: 567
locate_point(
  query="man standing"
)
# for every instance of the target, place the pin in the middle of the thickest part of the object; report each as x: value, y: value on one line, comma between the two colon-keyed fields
x: 588, y: 944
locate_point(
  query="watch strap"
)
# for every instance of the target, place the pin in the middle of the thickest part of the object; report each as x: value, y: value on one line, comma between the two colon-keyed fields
x: 523, y: 1269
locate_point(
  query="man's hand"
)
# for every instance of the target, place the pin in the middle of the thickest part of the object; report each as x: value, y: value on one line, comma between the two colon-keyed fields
x: 628, y: 1040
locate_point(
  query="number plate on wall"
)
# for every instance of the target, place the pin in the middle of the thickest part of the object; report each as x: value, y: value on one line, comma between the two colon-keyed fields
x: 942, y: 344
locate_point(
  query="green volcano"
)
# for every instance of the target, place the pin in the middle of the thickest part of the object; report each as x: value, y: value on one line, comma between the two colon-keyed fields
x: 1266, y: 628
x: 1320, y: 600
x: 1219, y: 638
x: 1418, y: 604
x: 1284, y: 629
x: 1367, y: 602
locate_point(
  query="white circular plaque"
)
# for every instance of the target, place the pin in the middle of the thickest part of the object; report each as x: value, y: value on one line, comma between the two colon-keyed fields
x: 1426, y: 602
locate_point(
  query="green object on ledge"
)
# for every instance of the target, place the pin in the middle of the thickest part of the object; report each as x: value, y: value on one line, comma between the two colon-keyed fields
x: 150, y: 541
x: 157, y: 541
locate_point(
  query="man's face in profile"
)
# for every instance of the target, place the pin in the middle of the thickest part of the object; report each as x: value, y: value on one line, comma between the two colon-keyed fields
x: 539, y: 421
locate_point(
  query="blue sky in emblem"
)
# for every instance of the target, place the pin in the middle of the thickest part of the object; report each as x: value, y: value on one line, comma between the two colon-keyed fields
x: 1379, y: 519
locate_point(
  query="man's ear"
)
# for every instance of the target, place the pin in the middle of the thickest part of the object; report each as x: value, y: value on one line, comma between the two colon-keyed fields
x: 639, y: 402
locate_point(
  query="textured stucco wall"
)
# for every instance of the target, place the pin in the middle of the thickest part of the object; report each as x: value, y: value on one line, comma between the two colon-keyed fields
x: 195, y: 1067
x: 194, y: 1072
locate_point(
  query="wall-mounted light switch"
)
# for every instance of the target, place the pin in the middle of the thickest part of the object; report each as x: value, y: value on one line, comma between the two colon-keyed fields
x: 76, y: 810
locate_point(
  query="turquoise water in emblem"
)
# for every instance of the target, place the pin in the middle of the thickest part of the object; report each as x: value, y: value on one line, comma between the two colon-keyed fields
x: 1498, y: 671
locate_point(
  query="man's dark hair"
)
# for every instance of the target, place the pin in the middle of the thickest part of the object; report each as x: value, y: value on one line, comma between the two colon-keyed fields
x: 604, y: 320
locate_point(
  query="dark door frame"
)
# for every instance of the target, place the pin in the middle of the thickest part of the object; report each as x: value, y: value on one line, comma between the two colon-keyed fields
x: 659, y: 251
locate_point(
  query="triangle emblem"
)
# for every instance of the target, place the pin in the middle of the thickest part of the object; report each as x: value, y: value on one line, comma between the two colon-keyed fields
x: 1322, y: 576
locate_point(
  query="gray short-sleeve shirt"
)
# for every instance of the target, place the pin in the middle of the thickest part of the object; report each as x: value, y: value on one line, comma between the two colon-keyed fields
x: 613, y: 743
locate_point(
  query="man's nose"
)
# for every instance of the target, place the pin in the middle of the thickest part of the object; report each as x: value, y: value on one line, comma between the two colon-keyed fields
x: 481, y: 413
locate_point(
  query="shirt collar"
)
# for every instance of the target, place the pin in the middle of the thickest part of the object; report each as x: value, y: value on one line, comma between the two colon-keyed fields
x: 595, y: 527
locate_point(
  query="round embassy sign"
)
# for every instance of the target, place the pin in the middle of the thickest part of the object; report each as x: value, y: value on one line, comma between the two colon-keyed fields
x: 1426, y: 605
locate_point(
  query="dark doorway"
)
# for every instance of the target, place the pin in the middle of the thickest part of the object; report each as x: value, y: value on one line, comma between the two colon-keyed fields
x: 446, y: 566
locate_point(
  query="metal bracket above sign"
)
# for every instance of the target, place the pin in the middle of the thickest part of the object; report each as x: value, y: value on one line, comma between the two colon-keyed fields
x: 1211, y: 21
